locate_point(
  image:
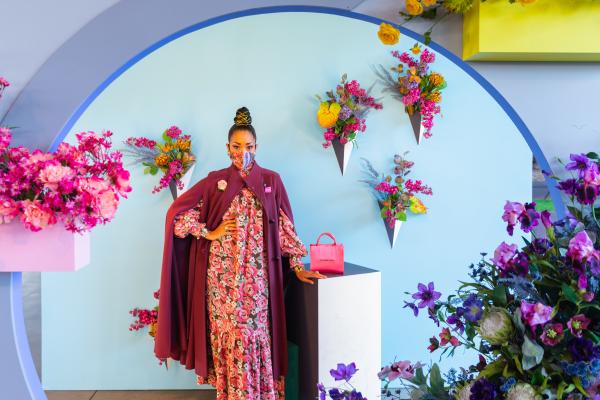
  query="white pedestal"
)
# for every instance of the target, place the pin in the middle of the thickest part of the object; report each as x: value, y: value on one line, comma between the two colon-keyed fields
x: 337, y: 320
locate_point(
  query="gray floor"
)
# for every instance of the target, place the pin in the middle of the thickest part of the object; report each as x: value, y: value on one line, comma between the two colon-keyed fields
x: 130, y: 395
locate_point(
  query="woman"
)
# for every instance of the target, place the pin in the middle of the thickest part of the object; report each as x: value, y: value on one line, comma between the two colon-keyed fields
x: 229, y: 240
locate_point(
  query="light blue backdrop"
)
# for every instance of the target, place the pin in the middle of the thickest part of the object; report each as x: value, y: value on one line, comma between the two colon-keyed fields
x: 274, y: 64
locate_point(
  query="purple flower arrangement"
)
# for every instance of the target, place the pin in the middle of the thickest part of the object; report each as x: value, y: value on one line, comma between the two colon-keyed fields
x: 531, y: 312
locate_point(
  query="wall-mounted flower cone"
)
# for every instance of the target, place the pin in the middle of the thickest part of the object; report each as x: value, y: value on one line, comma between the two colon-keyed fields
x: 342, y: 153
x: 391, y: 232
x: 185, y: 179
x: 415, y: 121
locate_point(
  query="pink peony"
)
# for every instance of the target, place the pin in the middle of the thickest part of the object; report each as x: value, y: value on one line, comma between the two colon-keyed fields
x: 93, y: 185
x: 9, y: 209
x: 53, y: 174
x: 535, y: 314
x: 108, y: 203
x: 35, y: 216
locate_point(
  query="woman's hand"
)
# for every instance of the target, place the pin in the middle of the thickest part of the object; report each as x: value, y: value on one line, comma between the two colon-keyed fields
x: 305, y: 276
x: 227, y: 226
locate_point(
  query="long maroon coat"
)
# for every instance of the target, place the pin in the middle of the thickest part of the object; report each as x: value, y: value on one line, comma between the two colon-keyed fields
x: 182, y: 332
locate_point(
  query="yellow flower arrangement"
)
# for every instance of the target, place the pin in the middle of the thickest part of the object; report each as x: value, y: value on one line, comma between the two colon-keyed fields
x: 183, y: 145
x: 417, y: 206
x: 327, y: 115
x: 436, y: 79
x: 436, y: 97
x: 388, y: 34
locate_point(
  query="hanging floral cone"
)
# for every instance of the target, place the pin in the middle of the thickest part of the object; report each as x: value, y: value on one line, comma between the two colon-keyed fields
x: 415, y: 121
x: 185, y: 179
x: 342, y: 153
x: 391, y: 232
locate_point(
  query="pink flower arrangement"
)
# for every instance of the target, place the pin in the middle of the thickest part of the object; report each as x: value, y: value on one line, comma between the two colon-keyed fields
x: 397, y: 195
x: 419, y: 89
x: 343, y: 115
x: 147, y: 318
x: 78, y: 185
x: 3, y: 84
x: 173, y: 157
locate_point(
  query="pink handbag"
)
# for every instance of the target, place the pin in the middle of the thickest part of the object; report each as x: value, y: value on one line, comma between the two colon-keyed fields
x: 327, y: 258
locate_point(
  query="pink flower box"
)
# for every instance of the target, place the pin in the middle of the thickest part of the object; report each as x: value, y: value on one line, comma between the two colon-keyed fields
x: 51, y: 249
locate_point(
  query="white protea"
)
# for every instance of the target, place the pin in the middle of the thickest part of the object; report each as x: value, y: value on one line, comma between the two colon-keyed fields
x: 464, y: 393
x: 522, y: 391
x: 496, y: 326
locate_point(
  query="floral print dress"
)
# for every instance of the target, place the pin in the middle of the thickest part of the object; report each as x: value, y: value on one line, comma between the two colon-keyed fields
x: 238, y: 299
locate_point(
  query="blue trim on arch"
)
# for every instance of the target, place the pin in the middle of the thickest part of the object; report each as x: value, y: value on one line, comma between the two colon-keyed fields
x: 533, y: 145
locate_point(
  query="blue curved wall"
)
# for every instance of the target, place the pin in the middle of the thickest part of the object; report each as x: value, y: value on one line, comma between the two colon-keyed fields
x: 274, y: 64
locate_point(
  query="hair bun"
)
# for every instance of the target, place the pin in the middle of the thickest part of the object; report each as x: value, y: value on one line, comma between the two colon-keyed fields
x: 242, y: 117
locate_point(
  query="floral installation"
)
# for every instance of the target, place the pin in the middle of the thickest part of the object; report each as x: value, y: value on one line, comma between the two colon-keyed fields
x: 532, y: 312
x: 415, y: 84
x: 3, y: 84
x: 173, y: 157
x: 345, y: 391
x: 439, y: 9
x: 78, y: 185
x: 396, y: 194
x: 147, y: 318
x: 344, y: 113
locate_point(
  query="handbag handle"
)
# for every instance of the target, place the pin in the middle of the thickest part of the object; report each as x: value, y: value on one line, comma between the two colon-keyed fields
x: 328, y: 234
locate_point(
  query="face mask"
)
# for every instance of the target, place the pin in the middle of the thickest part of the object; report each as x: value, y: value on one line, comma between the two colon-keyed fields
x: 242, y: 160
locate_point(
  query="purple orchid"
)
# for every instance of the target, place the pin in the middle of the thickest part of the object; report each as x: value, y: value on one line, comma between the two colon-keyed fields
x: 427, y: 295
x: 578, y: 162
x: 512, y: 210
x: 529, y: 219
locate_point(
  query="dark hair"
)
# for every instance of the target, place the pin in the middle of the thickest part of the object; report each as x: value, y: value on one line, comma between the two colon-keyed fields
x: 242, y: 122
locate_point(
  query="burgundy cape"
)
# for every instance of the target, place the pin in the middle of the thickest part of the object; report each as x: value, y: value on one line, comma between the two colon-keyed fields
x: 182, y: 332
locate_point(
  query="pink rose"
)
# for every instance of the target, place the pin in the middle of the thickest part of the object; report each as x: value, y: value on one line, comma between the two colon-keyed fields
x: 35, y: 217
x: 9, y: 209
x: 53, y: 174
x: 93, y: 185
x: 108, y: 202
x: 221, y: 185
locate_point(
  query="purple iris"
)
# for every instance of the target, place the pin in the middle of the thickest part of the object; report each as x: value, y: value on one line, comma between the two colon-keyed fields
x: 427, y: 295
x: 335, y: 394
x: 545, y: 215
x: 569, y: 186
x: 540, y: 246
x: 483, y: 389
x: 529, y: 218
x: 322, y: 392
x: 343, y: 372
x: 473, y: 308
x: 578, y: 161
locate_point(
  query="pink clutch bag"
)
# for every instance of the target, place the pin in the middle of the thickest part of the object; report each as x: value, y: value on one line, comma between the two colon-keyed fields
x: 328, y: 258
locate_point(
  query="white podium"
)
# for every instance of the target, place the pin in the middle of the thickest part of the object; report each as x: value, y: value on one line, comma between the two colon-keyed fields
x: 337, y: 320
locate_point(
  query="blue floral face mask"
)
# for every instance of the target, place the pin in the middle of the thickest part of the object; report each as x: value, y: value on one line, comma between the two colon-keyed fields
x: 242, y: 160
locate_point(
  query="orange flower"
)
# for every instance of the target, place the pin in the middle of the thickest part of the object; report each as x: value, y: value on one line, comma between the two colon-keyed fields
x: 436, y: 97
x: 161, y: 160
x: 416, y: 49
x: 436, y: 79
x: 183, y: 145
x: 388, y: 34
